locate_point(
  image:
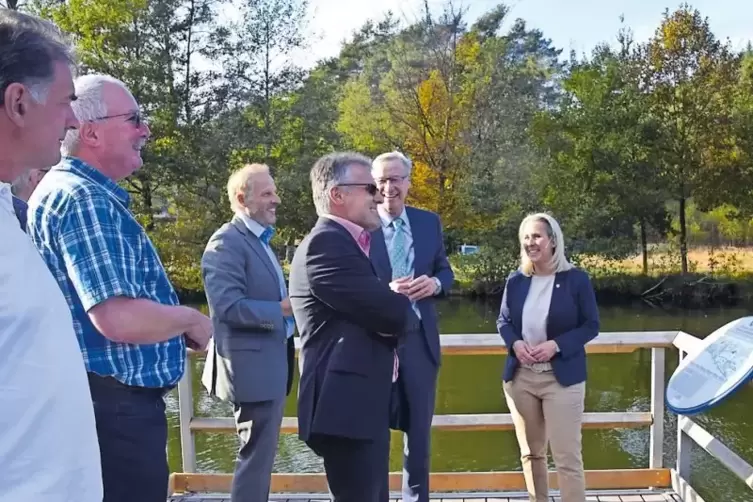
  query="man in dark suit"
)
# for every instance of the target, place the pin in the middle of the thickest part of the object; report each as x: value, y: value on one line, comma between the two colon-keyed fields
x: 349, y: 323
x: 250, y: 360
x: 408, y: 248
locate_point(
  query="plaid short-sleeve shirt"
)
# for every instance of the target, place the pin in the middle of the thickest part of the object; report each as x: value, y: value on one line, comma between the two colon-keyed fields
x: 80, y: 222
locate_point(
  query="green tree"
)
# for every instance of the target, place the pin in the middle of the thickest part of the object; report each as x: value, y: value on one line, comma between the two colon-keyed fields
x: 690, y: 77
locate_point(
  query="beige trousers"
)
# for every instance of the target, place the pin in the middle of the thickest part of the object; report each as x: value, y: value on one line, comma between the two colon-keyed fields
x: 542, y: 410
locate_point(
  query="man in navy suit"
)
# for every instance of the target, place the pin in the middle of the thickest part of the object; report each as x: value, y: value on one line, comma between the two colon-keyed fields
x: 408, y: 249
x: 349, y: 322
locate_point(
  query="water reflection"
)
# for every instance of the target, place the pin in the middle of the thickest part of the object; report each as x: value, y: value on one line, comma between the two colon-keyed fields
x: 472, y: 384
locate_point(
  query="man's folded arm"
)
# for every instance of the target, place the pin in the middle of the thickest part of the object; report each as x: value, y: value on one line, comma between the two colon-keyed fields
x: 110, y: 293
x: 223, y: 271
x: 344, y: 280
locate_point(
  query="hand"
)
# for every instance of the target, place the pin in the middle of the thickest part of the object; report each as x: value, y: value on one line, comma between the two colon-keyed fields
x: 523, y: 352
x: 287, y: 309
x: 198, y: 335
x: 544, y: 352
x: 401, y: 285
x: 421, y: 287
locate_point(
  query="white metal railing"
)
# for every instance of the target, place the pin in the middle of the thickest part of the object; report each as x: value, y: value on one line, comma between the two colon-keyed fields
x: 689, y: 432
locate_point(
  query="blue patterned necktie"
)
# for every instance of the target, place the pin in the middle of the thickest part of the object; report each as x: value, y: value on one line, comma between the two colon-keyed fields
x: 265, y: 237
x: 398, y: 250
x: 267, y: 234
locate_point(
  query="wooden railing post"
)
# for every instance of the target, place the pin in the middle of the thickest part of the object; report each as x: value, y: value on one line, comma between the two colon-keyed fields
x: 684, y: 443
x: 656, y: 453
x: 185, y: 415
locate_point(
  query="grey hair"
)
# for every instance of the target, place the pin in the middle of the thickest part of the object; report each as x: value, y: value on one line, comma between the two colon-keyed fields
x: 559, y: 261
x: 29, y: 49
x: 242, y: 181
x: 89, y: 105
x: 394, y: 156
x: 329, y: 171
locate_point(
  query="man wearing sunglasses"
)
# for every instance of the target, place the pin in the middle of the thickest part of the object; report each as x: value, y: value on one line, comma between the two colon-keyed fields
x: 131, y: 330
x: 349, y: 323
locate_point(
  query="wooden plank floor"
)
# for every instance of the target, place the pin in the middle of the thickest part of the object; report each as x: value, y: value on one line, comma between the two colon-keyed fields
x: 633, y: 496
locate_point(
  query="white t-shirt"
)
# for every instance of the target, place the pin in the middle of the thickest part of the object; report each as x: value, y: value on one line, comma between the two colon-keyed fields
x: 48, y: 438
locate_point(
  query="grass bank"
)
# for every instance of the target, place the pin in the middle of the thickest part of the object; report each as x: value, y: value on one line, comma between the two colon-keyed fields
x: 716, y: 277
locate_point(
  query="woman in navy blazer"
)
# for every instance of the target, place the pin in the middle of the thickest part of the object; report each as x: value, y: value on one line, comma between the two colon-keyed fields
x: 548, y: 314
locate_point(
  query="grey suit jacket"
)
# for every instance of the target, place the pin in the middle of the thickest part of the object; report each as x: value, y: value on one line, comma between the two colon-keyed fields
x: 247, y: 357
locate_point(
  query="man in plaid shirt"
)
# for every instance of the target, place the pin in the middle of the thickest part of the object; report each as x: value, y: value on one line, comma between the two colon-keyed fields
x: 130, y: 328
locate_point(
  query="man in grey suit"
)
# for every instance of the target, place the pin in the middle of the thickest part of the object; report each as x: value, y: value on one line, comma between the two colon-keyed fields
x: 250, y: 360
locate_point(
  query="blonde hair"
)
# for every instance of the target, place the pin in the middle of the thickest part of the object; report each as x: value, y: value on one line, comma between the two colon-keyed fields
x: 241, y: 181
x: 559, y: 261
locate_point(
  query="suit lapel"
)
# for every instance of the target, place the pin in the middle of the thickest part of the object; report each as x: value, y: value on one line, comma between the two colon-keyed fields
x: 379, y: 255
x: 257, y: 247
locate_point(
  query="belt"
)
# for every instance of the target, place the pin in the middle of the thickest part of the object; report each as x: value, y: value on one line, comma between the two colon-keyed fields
x: 113, y: 383
x: 539, y: 367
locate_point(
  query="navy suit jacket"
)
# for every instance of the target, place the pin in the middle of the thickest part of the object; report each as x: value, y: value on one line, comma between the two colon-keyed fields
x: 340, y: 308
x: 573, y: 321
x: 430, y: 259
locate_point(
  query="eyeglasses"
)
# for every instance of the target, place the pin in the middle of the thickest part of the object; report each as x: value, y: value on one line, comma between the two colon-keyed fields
x: 135, y: 117
x: 370, y: 188
x: 392, y: 179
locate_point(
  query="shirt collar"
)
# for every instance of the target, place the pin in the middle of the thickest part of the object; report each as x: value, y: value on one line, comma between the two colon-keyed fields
x: 387, y: 219
x: 254, y: 226
x: 81, y: 168
x: 359, y: 234
x: 6, y: 197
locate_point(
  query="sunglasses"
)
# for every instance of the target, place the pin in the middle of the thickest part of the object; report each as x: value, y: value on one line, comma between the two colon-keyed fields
x: 370, y: 188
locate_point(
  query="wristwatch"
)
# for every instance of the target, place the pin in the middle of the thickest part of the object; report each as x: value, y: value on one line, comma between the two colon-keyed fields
x: 439, y: 286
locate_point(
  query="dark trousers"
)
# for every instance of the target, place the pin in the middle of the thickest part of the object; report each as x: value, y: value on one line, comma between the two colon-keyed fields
x: 357, y: 470
x: 132, y: 433
x: 417, y: 380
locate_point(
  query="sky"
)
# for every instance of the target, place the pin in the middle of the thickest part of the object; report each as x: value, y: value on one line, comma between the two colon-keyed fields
x: 571, y: 24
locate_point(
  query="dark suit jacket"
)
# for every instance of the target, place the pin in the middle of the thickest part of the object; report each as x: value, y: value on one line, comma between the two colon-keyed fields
x: 430, y: 259
x: 573, y: 321
x: 20, y: 207
x: 340, y: 307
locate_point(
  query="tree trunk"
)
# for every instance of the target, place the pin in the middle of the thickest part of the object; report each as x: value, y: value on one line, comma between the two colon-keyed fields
x: 683, y: 237
x: 644, y: 246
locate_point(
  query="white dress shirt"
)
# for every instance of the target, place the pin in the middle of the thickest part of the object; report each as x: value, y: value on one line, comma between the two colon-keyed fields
x: 48, y: 438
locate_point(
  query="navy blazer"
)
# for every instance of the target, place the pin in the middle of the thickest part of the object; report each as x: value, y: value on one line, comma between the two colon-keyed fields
x: 573, y: 321
x: 430, y: 259
x: 349, y: 322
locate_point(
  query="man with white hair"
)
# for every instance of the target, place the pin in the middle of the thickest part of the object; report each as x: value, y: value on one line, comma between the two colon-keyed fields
x: 131, y: 330
x: 408, y: 249
x: 250, y: 360
x: 48, y: 441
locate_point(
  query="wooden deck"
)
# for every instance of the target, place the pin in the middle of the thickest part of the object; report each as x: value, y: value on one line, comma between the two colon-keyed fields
x: 596, y: 496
